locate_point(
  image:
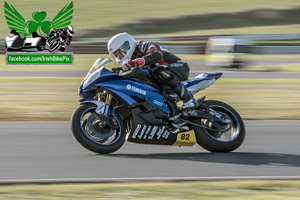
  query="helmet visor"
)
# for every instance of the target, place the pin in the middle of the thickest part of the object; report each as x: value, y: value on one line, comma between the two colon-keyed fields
x: 122, y: 51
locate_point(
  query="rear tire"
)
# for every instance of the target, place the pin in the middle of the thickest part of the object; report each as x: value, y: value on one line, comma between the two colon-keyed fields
x: 217, y: 141
x: 96, y: 144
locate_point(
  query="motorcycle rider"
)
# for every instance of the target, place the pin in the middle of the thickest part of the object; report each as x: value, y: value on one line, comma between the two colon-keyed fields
x: 64, y: 34
x: 167, y: 68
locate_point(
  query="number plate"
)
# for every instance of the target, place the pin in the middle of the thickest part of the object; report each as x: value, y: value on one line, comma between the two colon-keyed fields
x: 186, y: 139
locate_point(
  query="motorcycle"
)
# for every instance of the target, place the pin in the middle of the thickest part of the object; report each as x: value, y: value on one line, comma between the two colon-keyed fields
x: 57, y: 43
x: 118, y: 106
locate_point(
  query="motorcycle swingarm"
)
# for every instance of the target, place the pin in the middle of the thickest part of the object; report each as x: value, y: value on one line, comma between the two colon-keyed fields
x: 218, y: 127
x: 213, y: 116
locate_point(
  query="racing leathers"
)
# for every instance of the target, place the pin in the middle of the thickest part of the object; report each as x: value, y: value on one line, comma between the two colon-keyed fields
x: 168, y: 69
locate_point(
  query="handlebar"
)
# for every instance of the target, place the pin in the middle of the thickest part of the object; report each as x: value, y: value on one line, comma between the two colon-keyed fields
x: 117, y: 70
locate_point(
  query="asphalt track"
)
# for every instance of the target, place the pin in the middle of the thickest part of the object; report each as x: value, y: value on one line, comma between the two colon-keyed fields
x: 196, y: 66
x: 35, y: 152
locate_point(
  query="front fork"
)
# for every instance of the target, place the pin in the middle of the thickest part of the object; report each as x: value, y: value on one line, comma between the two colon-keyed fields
x: 109, y: 119
x: 104, y: 110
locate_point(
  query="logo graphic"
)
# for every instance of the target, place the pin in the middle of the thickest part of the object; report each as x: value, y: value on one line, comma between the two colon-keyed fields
x: 15, y: 20
x: 135, y: 89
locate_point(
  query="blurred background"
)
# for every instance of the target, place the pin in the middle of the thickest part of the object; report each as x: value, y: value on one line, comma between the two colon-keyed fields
x: 255, y: 43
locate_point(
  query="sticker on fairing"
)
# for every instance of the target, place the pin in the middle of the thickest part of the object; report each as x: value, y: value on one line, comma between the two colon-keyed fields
x: 186, y: 139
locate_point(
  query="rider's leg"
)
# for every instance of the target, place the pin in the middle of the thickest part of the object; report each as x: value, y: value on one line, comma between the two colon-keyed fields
x: 166, y: 76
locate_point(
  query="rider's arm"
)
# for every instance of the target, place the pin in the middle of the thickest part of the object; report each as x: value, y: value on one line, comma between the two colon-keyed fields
x: 147, y: 54
x: 150, y: 53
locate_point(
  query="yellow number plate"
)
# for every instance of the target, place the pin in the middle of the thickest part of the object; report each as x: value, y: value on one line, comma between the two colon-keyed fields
x: 186, y: 139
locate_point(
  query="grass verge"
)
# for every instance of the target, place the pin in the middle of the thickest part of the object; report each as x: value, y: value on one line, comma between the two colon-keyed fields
x: 275, y: 68
x: 55, y: 98
x: 244, y: 189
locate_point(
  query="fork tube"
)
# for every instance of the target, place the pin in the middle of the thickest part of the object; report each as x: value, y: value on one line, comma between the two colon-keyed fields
x: 108, y: 98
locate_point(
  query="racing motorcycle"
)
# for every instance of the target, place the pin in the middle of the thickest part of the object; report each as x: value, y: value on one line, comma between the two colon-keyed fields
x: 53, y: 43
x: 118, y: 106
x: 57, y: 41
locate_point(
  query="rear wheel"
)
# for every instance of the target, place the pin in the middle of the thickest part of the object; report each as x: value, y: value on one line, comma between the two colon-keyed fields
x: 93, y: 133
x: 216, y: 141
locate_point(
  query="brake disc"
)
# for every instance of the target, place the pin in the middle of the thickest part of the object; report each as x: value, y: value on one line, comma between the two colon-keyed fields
x: 97, y: 127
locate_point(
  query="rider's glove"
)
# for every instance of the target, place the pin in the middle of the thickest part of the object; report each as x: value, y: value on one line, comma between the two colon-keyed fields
x: 131, y: 64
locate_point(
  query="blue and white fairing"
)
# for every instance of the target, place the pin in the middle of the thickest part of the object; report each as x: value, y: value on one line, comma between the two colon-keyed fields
x: 127, y: 88
x: 121, y: 86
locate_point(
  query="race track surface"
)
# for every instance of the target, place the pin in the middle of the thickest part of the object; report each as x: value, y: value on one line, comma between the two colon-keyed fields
x: 47, y: 151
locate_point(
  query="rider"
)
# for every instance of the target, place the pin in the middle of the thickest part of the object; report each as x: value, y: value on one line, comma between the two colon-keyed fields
x: 167, y: 68
x: 64, y: 34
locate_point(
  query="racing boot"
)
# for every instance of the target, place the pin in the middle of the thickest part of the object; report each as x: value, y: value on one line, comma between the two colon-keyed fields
x: 189, y: 102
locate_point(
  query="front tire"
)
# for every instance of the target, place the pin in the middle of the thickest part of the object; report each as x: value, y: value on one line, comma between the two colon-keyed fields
x: 221, y: 141
x: 101, y: 141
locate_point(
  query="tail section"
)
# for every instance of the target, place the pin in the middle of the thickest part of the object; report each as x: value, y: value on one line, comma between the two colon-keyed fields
x: 200, y: 82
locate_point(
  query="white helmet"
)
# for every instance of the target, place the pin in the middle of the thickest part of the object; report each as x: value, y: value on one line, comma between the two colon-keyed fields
x: 70, y: 30
x: 121, y: 47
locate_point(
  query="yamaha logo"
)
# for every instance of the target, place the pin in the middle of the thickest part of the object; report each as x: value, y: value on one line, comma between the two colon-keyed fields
x: 135, y: 89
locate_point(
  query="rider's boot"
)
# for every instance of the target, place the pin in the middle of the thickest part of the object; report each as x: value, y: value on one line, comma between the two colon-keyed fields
x: 166, y: 76
x: 189, y: 102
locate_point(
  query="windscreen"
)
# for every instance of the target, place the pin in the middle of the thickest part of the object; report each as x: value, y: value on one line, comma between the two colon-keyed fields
x: 100, y: 62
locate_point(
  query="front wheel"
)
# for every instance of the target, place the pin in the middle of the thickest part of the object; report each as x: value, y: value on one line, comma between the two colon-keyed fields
x: 216, y: 141
x: 94, y: 133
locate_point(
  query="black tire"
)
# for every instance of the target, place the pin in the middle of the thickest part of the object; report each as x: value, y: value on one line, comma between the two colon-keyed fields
x: 62, y: 49
x: 211, y: 140
x: 88, y: 142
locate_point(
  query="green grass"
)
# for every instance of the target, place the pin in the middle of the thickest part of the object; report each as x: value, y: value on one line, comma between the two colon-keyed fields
x: 294, y: 28
x: 207, y: 190
x: 38, y: 99
x: 55, y: 98
x: 293, y: 68
x: 97, y: 15
x: 291, y: 56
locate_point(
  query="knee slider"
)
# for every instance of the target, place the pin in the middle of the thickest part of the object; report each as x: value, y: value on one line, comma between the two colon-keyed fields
x: 162, y: 73
x: 165, y: 74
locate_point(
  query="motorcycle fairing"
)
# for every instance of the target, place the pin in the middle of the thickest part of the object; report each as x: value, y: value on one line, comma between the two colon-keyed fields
x: 200, y: 82
x: 146, y: 128
x: 202, y: 77
x: 124, y: 87
x: 150, y: 128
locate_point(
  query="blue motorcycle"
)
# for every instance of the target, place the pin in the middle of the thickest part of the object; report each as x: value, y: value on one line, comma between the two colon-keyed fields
x: 118, y: 106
